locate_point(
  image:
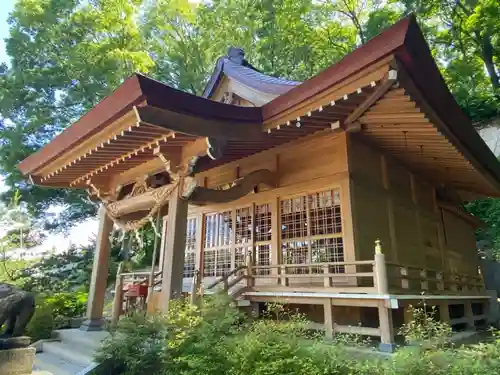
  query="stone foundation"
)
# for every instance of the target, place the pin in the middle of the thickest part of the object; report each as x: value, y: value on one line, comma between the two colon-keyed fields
x: 17, y: 361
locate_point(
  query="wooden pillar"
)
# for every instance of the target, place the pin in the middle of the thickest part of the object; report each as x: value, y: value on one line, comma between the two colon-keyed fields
x: 118, y: 300
x: 390, y: 209
x: 328, y: 310
x: 200, y: 238
x: 387, y: 343
x: 444, y: 312
x: 380, y: 270
x: 469, y: 315
x: 162, y: 243
x: 99, y: 278
x: 275, y: 236
x: 175, y: 246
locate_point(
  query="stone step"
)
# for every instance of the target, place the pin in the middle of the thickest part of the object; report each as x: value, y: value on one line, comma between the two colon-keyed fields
x: 72, y: 354
x: 67, y: 352
x: 48, y: 363
x: 79, y: 338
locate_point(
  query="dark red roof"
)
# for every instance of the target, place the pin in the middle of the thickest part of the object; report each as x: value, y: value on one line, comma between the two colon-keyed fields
x: 404, y: 41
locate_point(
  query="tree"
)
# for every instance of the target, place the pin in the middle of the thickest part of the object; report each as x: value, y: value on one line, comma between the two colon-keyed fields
x: 68, y: 54
x: 16, y: 232
x: 465, y: 37
x: 65, y: 56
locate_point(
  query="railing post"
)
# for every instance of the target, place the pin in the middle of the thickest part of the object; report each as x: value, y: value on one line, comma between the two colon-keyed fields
x: 249, y: 264
x: 118, y: 300
x: 284, y: 278
x: 424, y: 284
x: 380, y: 270
x: 327, y: 280
x: 195, y: 287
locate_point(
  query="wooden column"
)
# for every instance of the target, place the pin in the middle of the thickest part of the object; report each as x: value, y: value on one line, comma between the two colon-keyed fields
x: 469, y: 315
x: 99, y: 278
x: 328, y: 310
x: 200, y: 237
x: 444, y: 312
x: 380, y: 270
x: 175, y: 246
x: 387, y: 343
x: 275, y: 236
x: 118, y: 300
x: 162, y: 243
x: 390, y: 209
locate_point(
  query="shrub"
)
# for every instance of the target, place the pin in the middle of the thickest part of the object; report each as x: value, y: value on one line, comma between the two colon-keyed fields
x: 42, y: 323
x: 67, y: 305
x: 424, y: 329
x: 217, y: 339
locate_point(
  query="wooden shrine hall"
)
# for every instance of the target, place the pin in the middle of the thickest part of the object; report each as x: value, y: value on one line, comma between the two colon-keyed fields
x: 341, y: 196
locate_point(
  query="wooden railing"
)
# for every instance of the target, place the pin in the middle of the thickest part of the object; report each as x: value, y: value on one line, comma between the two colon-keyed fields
x: 130, y: 278
x: 367, y: 276
x: 225, y: 279
x: 407, y: 278
x: 338, y: 275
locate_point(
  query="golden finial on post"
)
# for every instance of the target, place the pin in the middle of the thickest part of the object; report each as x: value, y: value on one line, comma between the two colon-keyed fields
x: 378, y: 247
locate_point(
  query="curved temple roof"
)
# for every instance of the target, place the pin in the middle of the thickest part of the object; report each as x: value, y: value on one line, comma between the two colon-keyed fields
x: 120, y: 132
x: 235, y: 66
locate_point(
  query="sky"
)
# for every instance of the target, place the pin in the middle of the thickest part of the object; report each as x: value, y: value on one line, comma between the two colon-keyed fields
x: 5, y: 8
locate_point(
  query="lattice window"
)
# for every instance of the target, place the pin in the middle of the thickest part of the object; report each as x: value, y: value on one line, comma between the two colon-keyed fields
x: 217, y: 244
x: 328, y: 250
x: 243, y: 235
x: 263, y: 228
x: 223, y: 262
x: 190, y: 253
x: 311, y: 231
x: 294, y: 218
x: 325, y: 212
x: 209, y: 261
x: 263, y: 258
x: 189, y: 264
x: 263, y: 225
x: 295, y: 252
x: 240, y: 255
x: 243, y: 226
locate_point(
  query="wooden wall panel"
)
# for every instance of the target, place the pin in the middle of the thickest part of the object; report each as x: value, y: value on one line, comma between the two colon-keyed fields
x: 399, y: 180
x: 398, y: 206
x: 318, y: 158
x: 460, y: 239
x: 364, y: 164
x: 313, y: 157
x: 371, y: 222
x: 410, y: 249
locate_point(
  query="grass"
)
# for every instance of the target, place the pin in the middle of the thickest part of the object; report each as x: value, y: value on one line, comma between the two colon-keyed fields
x: 12, y: 266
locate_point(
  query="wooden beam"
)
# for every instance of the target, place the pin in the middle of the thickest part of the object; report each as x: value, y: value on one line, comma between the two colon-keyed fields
x: 178, y: 122
x: 490, y: 172
x: 242, y: 187
x: 387, y: 83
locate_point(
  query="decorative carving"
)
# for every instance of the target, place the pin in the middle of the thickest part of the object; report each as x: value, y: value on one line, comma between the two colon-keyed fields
x: 227, y: 97
x: 140, y: 187
x: 239, y: 188
x: 160, y: 196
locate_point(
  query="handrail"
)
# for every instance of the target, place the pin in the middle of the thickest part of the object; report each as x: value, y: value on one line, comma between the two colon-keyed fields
x: 236, y: 281
x: 226, y: 276
x: 139, y: 274
x: 323, y: 264
x: 443, y: 279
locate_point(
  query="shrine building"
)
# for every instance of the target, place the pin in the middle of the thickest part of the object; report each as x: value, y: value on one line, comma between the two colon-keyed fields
x: 341, y: 196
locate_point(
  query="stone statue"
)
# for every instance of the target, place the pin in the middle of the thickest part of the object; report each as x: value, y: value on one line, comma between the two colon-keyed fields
x: 16, y: 310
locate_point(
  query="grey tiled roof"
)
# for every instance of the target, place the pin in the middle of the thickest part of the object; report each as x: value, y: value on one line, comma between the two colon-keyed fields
x: 257, y: 80
x: 235, y: 66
